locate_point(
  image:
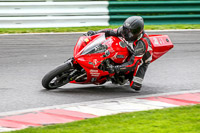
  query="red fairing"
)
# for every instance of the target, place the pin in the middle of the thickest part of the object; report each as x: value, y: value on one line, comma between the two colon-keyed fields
x: 90, y: 61
x: 161, y: 44
x: 81, y: 43
x: 118, y: 53
x: 87, y: 60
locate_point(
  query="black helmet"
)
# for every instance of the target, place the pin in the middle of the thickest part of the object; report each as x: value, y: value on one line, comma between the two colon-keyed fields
x: 132, y: 28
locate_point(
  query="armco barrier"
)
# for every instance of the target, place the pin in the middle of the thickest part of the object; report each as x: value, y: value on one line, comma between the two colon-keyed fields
x: 156, y: 12
x: 53, y: 21
x: 48, y: 13
x: 53, y: 8
x: 53, y: 14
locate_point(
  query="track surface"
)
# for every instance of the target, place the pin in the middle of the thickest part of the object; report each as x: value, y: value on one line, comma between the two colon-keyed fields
x: 25, y: 59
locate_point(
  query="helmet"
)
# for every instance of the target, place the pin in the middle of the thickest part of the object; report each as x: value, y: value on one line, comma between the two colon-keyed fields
x: 132, y: 28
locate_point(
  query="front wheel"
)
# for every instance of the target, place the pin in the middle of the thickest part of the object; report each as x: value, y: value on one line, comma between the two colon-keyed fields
x: 57, y: 77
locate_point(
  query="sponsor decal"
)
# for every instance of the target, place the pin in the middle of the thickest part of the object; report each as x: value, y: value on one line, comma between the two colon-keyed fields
x: 156, y: 41
x: 94, y: 73
x: 95, y: 61
x: 114, y: 57
x: 86, y: 40
x: 120, y: 56
x: 161, y: 41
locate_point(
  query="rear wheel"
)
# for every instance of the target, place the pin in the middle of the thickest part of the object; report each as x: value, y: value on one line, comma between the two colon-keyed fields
x: 57, y: 77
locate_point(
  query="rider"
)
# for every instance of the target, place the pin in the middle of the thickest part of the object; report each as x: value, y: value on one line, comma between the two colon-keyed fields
x: 139, y: 47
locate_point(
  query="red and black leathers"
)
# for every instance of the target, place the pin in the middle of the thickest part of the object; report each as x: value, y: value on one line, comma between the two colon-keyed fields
x: 140, y: 57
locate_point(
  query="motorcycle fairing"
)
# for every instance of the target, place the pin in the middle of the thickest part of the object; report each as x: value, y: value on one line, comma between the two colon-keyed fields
x: 100, y: 48
x: 90, y: 56
x: 161, y: 44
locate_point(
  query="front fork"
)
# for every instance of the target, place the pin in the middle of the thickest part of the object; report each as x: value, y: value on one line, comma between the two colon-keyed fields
x: 72, y: 61
x: 77, y: 73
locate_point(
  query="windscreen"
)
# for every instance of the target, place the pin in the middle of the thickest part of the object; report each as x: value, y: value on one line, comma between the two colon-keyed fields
x: 95, y: 46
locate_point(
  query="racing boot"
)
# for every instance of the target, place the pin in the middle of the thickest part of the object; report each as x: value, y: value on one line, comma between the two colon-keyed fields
x: 136, y: 86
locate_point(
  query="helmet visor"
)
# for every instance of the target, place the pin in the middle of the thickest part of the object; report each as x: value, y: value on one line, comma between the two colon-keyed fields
x: 129, y: 34
x: 126, y: 33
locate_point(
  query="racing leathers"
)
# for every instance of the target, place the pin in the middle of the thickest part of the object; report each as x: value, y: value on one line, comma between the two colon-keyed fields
x: 140, y: 51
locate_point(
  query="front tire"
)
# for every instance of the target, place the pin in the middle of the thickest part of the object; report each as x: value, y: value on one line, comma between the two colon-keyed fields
x: 57, y: 77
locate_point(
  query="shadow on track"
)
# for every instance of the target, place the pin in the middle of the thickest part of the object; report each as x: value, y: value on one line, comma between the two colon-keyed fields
x: 77, y: 92
x: 100, y: 90
x: 95, y: 89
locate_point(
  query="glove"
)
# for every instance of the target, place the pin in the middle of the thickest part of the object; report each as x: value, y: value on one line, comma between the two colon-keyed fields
x: 107, y: 33
x: 113, y: 69
x: 90, y: 33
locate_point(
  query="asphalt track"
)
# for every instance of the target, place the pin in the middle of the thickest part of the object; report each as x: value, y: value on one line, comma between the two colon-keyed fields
x: 25, y: 59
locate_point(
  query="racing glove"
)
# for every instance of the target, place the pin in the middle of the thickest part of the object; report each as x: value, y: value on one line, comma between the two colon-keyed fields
x: 110, y: 33
x: 113, y: 69
x: 90, y: 33
x: 107, y: 33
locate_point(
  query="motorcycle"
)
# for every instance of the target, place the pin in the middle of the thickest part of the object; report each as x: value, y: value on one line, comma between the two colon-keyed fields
x: 93, y: 54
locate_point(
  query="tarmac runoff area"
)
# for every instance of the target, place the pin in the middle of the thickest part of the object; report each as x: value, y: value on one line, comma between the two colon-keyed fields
x: 17, y: 120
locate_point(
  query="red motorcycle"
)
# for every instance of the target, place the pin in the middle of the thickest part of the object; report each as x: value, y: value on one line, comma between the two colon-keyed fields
x: 92, y: 55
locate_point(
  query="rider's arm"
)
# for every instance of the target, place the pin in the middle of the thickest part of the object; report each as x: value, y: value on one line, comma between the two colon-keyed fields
x: 136, y: 56
x: 108, y: 32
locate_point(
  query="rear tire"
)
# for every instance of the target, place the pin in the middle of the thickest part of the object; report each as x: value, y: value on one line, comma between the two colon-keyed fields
x: 60, y: 74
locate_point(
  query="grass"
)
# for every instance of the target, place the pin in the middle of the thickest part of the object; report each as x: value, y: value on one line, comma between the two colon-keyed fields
x: 95, y: 28
x: 185, y: 119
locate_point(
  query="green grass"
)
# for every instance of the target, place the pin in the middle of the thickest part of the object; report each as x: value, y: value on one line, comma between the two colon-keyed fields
x: 95, y: 28
x: 185, y: 119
